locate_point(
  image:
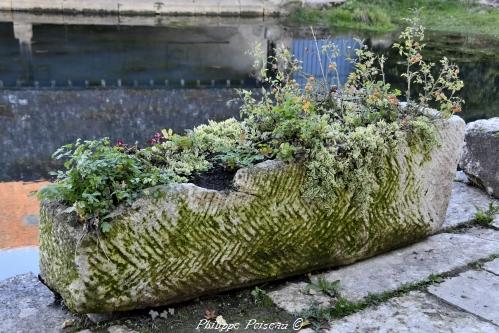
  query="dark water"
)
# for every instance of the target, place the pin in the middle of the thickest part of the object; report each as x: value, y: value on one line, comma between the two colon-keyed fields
x: 61, y: 82
x: 478, y: 60
x: 69, y: 55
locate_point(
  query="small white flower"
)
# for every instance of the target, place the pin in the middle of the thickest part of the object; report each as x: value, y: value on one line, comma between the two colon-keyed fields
x: 164, y: 314
x: 221, y: 321
x: 153, y: 314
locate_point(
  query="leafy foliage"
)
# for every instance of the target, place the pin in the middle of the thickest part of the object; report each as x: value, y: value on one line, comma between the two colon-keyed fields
x: 457, y: 16
x: 100, y: 176
x: 343, y: 136
x: 441, y: 89
x: 486, y: 216
x: 261, y: 297
x: 327, y: 288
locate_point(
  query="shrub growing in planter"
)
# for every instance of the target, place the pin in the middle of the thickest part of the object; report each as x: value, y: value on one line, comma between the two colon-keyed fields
x: 326, y: 175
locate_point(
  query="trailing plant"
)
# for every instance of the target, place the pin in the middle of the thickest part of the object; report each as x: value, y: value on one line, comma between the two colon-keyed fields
x: 343, y: 136
x: 99, y: 176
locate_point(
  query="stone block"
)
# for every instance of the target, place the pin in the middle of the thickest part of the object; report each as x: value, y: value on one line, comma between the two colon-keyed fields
x: 196, y: 241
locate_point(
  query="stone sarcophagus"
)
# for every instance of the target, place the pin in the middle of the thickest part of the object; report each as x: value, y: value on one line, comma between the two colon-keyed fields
x: 193, y: 241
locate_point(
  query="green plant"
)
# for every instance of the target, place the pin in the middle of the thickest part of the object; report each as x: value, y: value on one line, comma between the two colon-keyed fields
x: 343, y: 307
x: 441, y: 89
x: 260, y: 297
x: 343, y: 136
x: 327, y: 288
x: 486, y: 216
x: 98, y: 177
x: 387, y: 15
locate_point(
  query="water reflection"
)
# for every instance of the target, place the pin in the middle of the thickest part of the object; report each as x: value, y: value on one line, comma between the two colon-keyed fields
x: 19, y: 219
x: 34, y: 123
x: 18, y: 261
x: 316, y: 55
x: 18, y: 214
x: 48, y: 55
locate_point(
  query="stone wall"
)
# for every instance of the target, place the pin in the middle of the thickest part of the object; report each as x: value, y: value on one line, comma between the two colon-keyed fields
x: 34, y: 123
x: 153, y: 7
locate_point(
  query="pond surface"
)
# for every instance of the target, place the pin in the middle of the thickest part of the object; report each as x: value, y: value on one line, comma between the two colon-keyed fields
x: 97, y: 78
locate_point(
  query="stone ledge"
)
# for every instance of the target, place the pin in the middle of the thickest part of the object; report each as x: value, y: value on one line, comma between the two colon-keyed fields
x: 153, y: 7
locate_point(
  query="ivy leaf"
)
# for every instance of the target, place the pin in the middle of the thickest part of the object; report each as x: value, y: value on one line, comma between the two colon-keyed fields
x: 105, y: 227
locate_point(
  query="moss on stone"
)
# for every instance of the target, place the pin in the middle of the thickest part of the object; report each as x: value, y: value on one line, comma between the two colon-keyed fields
x: 193, y: 241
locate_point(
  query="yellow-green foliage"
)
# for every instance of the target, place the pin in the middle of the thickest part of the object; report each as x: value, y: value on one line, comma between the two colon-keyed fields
x: 356, y: 165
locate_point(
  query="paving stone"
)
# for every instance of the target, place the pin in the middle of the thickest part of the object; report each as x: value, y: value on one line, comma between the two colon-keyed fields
x: 474, y: 291
x: 492, y: 266
x: 485, y: 234
x: 436, y: 255
x: 294, y: 299
x: 28, y: 306
x: 464, y: 201
x: 416, y: 312
x: 495, y: 223
x: 461, y: 177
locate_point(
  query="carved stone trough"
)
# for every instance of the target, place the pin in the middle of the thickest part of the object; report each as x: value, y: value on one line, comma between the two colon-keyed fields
x: 196, y: 241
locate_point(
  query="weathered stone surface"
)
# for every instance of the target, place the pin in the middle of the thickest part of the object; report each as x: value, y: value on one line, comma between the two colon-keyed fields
x: 307, y: 330
x: 438, y: 254
x: 495, y: 222
x: 321, y: 3
x: 464, y: 202
x: 416, y: 312
x: 294, y: 298
x: 461, y: 177
x: 195, y: 241
x: 480, y: 158
x: 474, y: 291
x: 28, y: 306
x: 489, y: 3
x: 492, y: 266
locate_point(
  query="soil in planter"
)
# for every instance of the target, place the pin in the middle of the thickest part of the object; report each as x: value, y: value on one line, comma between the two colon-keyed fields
x: 218, y: 178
